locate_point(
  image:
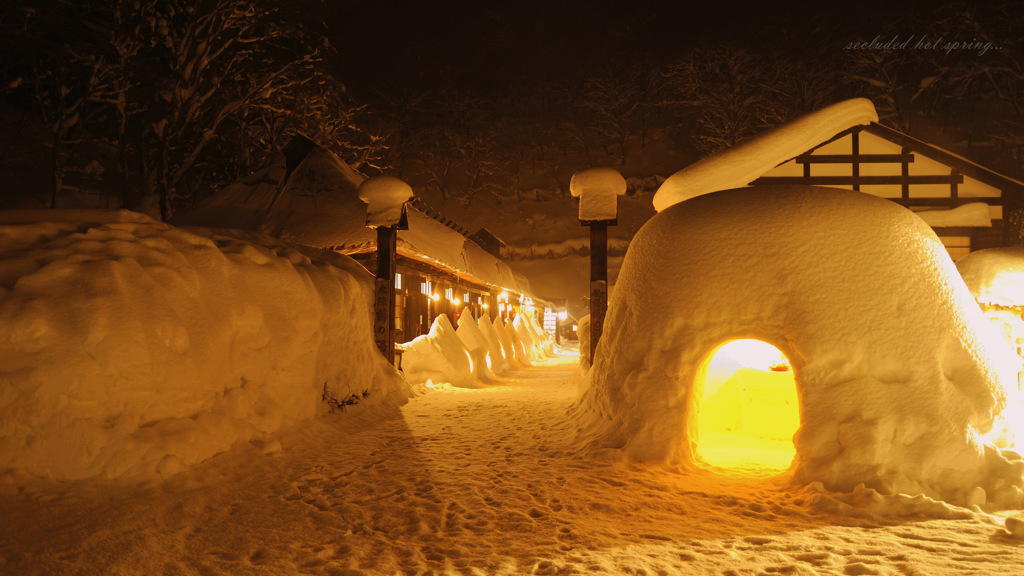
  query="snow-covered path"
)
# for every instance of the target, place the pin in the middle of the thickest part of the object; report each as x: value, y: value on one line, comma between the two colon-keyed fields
x: 465, y: 482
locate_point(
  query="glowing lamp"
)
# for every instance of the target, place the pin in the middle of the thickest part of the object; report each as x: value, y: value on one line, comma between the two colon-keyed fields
x: 456, y: 302
x: 435, y: 297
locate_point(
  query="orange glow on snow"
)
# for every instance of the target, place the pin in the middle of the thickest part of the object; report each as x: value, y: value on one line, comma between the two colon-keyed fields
x: 749, y: 410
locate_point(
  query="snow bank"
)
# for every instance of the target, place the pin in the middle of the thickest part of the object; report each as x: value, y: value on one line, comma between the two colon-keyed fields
x: 583, y: 332
x: 132, y: 346
x: 438, y: 356
x: 740, y: 165
x: 569, y: 246
x: 598, y: 190
x: 896, y: 371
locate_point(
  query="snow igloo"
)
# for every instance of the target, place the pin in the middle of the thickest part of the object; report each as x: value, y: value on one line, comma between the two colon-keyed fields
x: 898, y: 376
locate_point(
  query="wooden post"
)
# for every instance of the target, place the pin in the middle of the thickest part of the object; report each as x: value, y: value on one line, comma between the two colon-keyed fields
x: 598, y: 190
x: 598, y: 281
x: 385, y: 198
x: 384, y: 294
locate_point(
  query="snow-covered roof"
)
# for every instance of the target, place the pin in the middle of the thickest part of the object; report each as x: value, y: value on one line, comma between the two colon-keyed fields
x: 319, y: 206
x: 974, y: 215
x: 736, y: 167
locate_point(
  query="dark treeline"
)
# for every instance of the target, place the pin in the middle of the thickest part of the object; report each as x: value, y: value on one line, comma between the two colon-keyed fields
x: 174, y: 98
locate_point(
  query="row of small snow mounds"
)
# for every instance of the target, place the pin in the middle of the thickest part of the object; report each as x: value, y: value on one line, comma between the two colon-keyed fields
x: 475, y: 353
x: 131, y: 346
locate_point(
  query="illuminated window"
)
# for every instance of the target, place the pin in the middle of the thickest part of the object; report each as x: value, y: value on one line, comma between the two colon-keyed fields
x: 449, y: 293
x: 749, y: 410
x: 550, y: 320
x: 398, y: 281
x: 425, y: 288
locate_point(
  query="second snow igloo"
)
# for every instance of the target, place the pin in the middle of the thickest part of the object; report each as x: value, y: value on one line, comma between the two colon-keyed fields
x: 896, y: 374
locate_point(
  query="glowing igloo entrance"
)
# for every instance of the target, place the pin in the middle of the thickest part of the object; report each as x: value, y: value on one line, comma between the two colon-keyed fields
x: 749, y: 408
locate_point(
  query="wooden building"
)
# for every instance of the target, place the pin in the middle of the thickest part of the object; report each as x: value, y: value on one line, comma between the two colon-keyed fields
x: 843, y: 146
x: 309, y: 197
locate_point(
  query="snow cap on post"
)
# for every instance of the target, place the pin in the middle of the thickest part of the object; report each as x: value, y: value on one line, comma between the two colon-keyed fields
x: 597, y: 189
x: 385, y: 197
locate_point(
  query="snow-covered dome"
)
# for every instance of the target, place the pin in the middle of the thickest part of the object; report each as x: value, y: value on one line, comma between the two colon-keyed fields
x: 895, y: 373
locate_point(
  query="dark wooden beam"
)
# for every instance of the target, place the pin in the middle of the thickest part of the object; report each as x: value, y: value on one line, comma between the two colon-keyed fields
x: 849, y: 158
x: 855, y: 139
x: 860, y: 180
x: 905, y: 171
x: 945, y: 201
x: 598, y: 281
x: 384, y: 294
x: 964, y: 166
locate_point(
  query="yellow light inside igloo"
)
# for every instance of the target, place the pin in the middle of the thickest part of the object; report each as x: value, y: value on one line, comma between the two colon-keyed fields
x: 749, y: 410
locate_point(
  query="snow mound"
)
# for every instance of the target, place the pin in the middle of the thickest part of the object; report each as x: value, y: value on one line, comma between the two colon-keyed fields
x: 896, y: 371
x: 131, y: 346
x: 598, y: 190
x: 500, y: 362
x: 995, y: 276
x: 508, y: 346
x: 545, y: 347
x: 740, y: 165
x: 437, y: 357
x: 384, y: 197
x: 475, y: 341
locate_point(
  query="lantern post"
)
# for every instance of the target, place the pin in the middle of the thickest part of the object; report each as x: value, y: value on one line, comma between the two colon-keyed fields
x: 598, y: 190
x: 385, y: 198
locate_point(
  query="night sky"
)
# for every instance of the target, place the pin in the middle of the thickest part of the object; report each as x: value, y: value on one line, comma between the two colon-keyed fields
x: 485, y: 46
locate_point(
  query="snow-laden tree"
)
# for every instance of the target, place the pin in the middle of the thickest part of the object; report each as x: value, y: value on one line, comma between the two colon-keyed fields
x: 184, y: 90
x: 614, y: 100
x: 726, y: 90
x: 220, y: 57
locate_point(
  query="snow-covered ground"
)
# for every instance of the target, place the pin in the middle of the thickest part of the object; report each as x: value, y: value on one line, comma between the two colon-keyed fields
x: 483, y: 481
x: 185, y: 378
